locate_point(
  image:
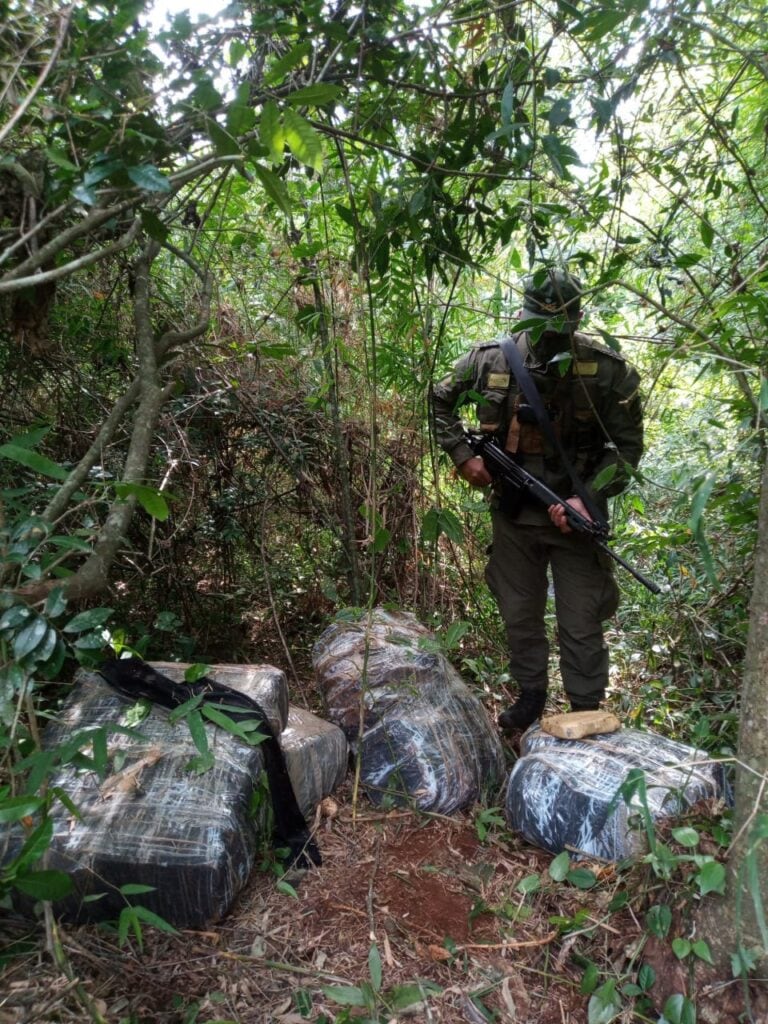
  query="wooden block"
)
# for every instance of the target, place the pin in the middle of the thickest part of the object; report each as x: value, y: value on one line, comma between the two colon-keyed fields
x: 576, y: 724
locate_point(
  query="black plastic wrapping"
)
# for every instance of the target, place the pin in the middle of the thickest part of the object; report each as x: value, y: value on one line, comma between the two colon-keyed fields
x: 193, y: 837
x: 565, y: 794
x: 426, y: 739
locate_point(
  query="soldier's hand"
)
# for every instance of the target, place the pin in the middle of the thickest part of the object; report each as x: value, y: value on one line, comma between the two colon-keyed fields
x: 558, y: 514
x: 474, y: 472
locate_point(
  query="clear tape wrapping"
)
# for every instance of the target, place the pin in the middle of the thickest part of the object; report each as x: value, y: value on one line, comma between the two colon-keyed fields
x: 567, y: 794
x: 426, y: 739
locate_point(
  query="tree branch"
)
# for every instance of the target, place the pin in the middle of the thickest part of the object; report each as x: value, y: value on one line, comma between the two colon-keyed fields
x: 22, y: 108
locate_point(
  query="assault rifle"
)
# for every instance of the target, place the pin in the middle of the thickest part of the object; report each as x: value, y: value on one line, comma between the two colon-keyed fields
x: 501, y: 465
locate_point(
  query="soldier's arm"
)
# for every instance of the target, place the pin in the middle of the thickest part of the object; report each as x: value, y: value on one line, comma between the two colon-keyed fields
x: 622, y: 420
x: 445, y: 403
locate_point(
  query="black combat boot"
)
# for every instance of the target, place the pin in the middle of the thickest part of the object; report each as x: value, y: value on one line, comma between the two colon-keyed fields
x: 585, y: 703
x: 524, y: 712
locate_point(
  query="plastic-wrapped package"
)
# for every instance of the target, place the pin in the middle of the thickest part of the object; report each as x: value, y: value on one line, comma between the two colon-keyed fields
x: 192, y: 836
x: 316, y: 754
x: 426, y: 739
x: 565, y: 794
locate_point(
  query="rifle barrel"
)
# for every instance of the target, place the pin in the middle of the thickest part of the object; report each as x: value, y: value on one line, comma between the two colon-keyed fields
x: 506, y: 466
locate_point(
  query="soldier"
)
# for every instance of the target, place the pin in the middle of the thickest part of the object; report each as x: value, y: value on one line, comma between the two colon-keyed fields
x: 590, y: 394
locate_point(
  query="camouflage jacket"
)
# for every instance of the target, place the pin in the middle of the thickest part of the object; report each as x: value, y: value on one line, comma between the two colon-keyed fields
x: 594, y: 406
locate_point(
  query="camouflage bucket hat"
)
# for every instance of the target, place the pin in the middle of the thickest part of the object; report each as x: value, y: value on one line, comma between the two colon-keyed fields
x: 555, y: 295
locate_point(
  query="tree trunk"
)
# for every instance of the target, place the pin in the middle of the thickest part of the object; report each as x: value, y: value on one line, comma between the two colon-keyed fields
x: 736, y: 921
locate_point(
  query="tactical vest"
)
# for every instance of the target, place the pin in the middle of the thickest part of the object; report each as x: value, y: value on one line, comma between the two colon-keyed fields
x: 572, y: 399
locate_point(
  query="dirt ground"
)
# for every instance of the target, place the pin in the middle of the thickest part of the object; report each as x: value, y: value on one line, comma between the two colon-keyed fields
x: 407, y: 908
x: 440, y: 908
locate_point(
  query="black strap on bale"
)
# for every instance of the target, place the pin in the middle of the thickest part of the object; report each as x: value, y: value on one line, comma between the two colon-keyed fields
x: 135, y: 679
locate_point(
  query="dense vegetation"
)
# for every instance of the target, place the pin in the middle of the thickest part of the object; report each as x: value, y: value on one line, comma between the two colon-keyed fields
x: 235, y: 252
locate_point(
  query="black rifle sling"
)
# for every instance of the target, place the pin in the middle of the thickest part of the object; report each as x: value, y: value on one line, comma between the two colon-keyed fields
x: 531, y: 392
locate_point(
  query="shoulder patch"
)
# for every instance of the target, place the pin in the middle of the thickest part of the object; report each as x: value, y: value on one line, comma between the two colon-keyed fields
x: 589, y: 345
x: 586, y: 368
x: 498, y: 380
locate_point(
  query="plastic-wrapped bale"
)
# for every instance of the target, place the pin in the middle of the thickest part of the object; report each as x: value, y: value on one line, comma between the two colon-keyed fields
x: 193, y: 837
x: 565, y: 794
x: 316, y: 755
x: 426, y: 740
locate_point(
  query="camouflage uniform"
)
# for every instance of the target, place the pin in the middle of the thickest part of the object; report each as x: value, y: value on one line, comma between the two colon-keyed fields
x: 595, y: 410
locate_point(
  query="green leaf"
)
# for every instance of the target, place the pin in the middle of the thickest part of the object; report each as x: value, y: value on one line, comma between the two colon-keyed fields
x: 274, y: 188
x: 605, y: 476
x: 344, y: 995
x: 710, y: 877
x: 303, y: 140
x: 529, y: 884
x: 240, y: 119
x: 29, y: 636
x: 604, y: 1005
x: 290, y: 60
x: 237, y: 50
x: 681, y: 948
x: 44, y: 885
x: 287, y: 889
x: 14, y: 616
x: 659, y: 920
x: 560, y: 155
x: 197, y: 731
x: 85, y: 195
x: 17, y: 807
x: 381, y: 539
x: 150, y: 499
x: 148, y: 917
x: 507, y: 103
x: 679, y: 1010
x: 455, y: 632
x: 135, y: 889
x: 374, y: 967
x: 707, y: 232
x: 35, y: 845
x: 101, y: 170
x: 581, y: 878
x: 271, y: 132
x: 700, y: 499
x: 184, y: 709
x: 246, y: 731
x: 55, y: 603
x: 206, y: 96
x: 688, y: 259
x: 313, y: 95
x: 686, y: 836
x: 33, y: 461
x: 400, y: 997
x: 201, y: 763
x: 224, y: 143
x: 701, y: 949
x: 153, y: 226
x: 589, y: 979
x: 560, y: 866
x: 437, y: 521
x: 194, y: 672
x: 91, y: 619
x: 57, y: 157
x: 598, y: 24
x: 126, y: 921
x: 147, y: 177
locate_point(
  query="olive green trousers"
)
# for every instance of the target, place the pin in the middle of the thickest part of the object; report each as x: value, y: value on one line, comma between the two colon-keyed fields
x: 585, y: 595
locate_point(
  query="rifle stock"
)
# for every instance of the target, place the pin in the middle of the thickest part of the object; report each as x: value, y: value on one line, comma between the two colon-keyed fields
x: 501, y: 465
